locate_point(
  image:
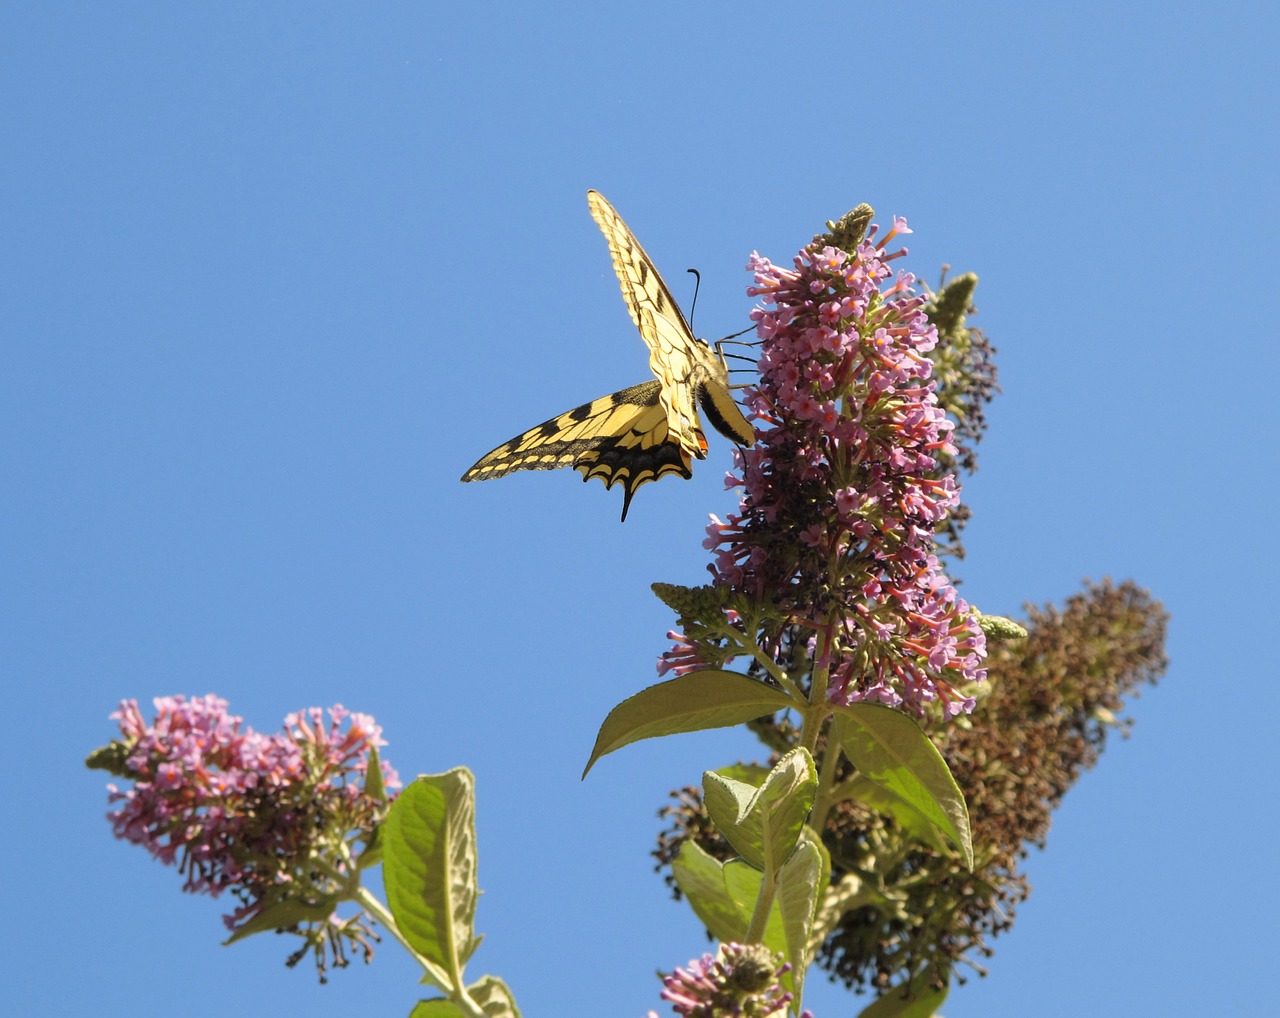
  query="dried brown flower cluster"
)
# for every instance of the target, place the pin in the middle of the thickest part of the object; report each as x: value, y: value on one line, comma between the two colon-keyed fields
x: 914, y: 911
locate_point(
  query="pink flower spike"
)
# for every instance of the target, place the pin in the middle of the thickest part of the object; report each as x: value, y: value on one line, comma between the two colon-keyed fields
x: 841, y: 496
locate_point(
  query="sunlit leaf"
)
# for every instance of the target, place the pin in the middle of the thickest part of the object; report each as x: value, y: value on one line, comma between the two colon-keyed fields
x: 865, y: 791
x: 281, y: 915
x: 894, y: 1005
x: 700, y: 878
x: 437, y: 1007
x: 763, y: 824
x: 493, y: 995
x: 891, y: 750
x: 800, y: 885
x: 706, y: 699
x: 429, y: 867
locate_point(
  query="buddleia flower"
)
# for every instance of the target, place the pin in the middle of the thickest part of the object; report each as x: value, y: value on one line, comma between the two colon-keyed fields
x: 842, y: 494
x: 276, y: 820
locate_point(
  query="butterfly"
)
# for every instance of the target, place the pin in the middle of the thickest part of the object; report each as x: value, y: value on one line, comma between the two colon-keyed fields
x: 652, y: 429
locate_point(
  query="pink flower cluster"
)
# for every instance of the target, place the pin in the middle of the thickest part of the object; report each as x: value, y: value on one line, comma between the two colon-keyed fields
x: 235, y: 808
x: 842, y: 496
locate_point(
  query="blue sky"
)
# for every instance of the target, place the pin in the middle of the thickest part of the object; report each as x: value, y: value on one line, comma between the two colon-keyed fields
x: 275, y: 275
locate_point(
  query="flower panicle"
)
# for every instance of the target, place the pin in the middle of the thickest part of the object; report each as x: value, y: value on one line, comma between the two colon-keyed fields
x: 844, y: 492
x: 268, y: 817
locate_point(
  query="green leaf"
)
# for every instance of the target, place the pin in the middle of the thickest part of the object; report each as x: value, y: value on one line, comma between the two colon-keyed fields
x: 727, y: 801
x: 376, y: 790
x: 752, y: 774
x: 850, y: 891
x: 705, y: 699
x: 489, y: 992
x: 701, y: 879
x: 894, y: 1005
x: 800, y: 885
x: 282, y: 914
x: 724, y: 896
x: 429, y: 867
x: 372, y: 854
x: 891, y: 750
x: 763, y: 824
x: 911, y: 820
x: 494, y: 997
x: 373, y: 786
x: 437, y: 1007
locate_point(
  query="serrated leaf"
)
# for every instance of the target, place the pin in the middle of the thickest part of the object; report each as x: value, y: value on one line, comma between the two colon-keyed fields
x: 894, y: 1005
x: 727, y: 802
x: 494, y: 997
x: 891, y: 750
x: 800, y: 885
x: 700, y: 878
x: 763, y: 824
x: 429, y: 868
x: 752, y: 774
x: 710, y: 698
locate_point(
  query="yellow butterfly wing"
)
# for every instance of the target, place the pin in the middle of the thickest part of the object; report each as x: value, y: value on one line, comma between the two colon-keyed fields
x: 690, y: 372
x: 649, y: 430
x: 621, y: 438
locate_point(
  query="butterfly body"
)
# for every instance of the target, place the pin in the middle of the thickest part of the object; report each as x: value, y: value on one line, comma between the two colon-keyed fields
x: 647, y: 431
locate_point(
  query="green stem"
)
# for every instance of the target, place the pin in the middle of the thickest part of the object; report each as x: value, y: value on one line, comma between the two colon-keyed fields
x: 436, y: 975
x: 819, y: 678
x: 825, y: 797
x: 371, y: 904
x: 771, y: 666
x: 764, y: 906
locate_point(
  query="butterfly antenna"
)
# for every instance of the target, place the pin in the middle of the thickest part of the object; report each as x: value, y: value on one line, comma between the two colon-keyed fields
x: 697, y: 284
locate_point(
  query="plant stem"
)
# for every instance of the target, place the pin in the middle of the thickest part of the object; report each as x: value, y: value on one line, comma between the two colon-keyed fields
x: 824, y: 799
x: 764, y: 906
x: 458, y: 994
x: 818, y: 679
